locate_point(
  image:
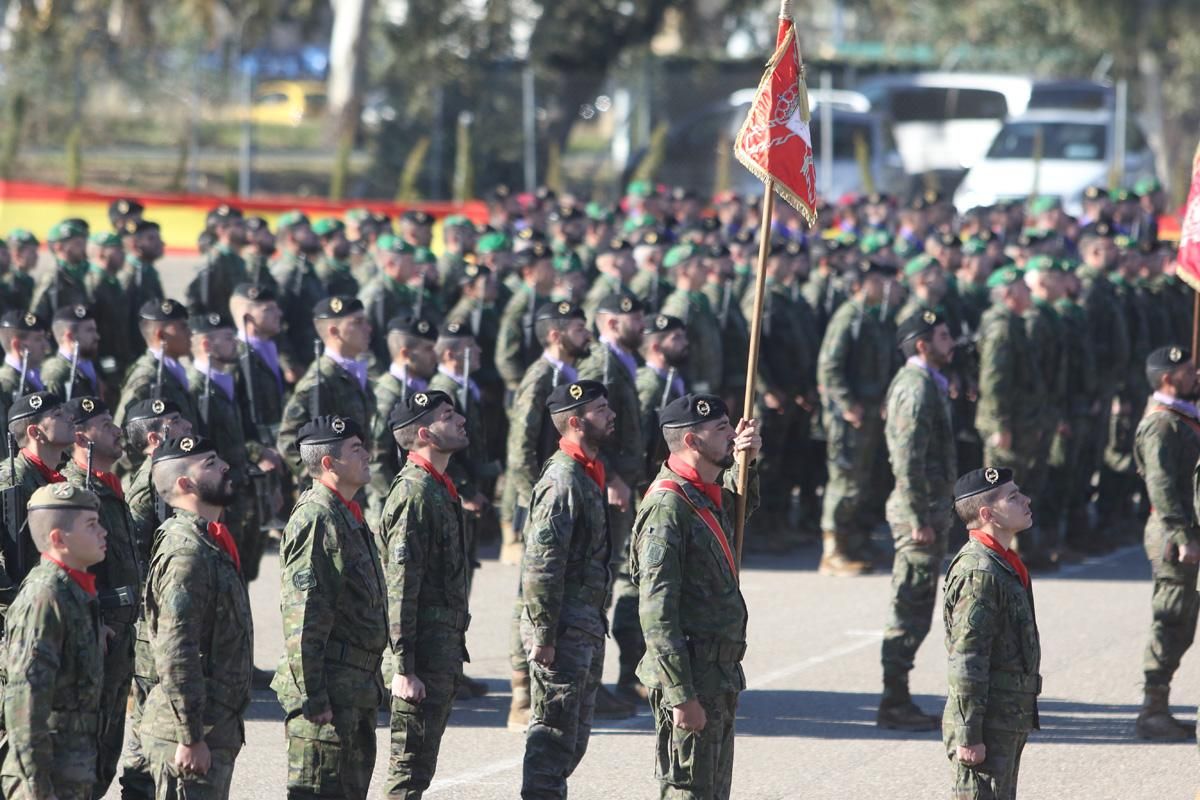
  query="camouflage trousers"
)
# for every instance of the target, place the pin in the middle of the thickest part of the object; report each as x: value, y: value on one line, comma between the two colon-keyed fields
x: 626, y: 625
x: 169, y: 784
x: 114, y: 697
x: 1176, y: 605
x: 333, y: 760
x: 856, y: 491
x: 562, y: 699
x: 915, y: 573
x: 417, y: 736
x: 1067, y: 481
x: 17, y: 789
x: 694, y: 765
x: 136, y: 781
x: 996, y: 777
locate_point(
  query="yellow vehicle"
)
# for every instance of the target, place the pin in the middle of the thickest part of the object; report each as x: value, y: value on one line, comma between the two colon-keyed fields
x: 287, y: 102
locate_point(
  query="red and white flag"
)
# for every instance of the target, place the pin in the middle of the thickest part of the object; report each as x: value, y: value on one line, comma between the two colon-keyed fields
x: 1189, y: 233
x: 775, y: 143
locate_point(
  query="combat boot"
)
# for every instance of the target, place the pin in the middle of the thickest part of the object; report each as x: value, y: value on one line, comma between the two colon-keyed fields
x: 835, y: 562
x: 470, y: 688
x: 512, y: 549
x: 518, y: 712
x: 609, y: 706
x: 898, y: 712
x: 1155, y: 720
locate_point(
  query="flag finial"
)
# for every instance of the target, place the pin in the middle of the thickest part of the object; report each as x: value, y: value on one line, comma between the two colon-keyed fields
x: 785, y: 9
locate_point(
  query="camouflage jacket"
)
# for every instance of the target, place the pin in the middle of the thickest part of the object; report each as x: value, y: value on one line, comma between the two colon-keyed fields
x: 336, y: 277
x: 469, y: 468
x: 1107, y: 329
x: 214, y: 283
x: 1081, y: 386
x: 30, y: 479
x: 340, y: 394
x: 735, y: 332
x: 1135, y: 312
x: 1044, y: 331
x: 1167, y: 451
x: 531, y: 436
x: 653, y: 395
x: 222, y: 424
x: 141, y: 283
x: 706, y: 358
x: 425, y: 560
x: 55, y: 667
x: 692, y: 611
x: 258, y: 270
x: 57, y: 288
x: 140, y: 384
x: 334, y: 602
x: 383, y: 299
x: 267, y: 393
x: 920, y: 442
x: 388, y: 392
x: 484, y: 323
x: 622, y: 453
x: 564, y: 574
x: 855, y: 361
x: 602, y: 287
x: 199, y: 626
x: 299, y: 291
x: 824, y: 293
x: 112, y: 308
x: 56, y: 372
x: 651, y: 288
x: 787, y: 347
x: 1010, y: 381
x: 517, y: 346
x: 144, y: 509
x: 992, y: 641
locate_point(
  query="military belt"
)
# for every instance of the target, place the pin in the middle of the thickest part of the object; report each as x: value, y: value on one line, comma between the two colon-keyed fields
x: 73, y: 722
x: 348, y: 654
x: 588, y: 595
x: 1016, y: 682
x: 721, y: 651
x: 444, y: 615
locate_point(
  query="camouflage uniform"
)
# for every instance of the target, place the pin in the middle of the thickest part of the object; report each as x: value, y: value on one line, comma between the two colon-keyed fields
x: 735, y: 338
x: 62, y: 286
x: 694, y: 618
x: 531, y: 436
x: 56, y: 372
x: 298, y: 294
x: 112, y: 309
x: 141, y: 284
x: 604, y: 286
x: 336, y: 277
x: 992, y: 640
x: 140, y: 384
x: 517, y: 346
x: 1067, y: 482
x: 30, y: 479
x: 334, y: 604
x: 565, y: 583
x: 198, y: 619
x: 1044, y: 330
x: 54, y: 661
x: 210, y: 290
x: 653, y: 396
x: 427, y: 568
x: 1011, y: 391
x: 705, y: 367
x: 388, y: 391
x: 383, y: 299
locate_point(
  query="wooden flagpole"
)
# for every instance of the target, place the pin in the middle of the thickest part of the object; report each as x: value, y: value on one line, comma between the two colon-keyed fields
x: 1195, y: 327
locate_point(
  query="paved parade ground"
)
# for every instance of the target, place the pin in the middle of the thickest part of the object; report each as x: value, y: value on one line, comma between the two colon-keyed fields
x: 806, y: 723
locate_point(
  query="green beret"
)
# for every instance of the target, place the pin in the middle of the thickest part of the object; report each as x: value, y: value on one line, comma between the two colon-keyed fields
x: 456, y: 221
x: 679, y: 254
x: 1043, y: 203
x: 1041, y: 263
x: 1005, y: 276
x: 105, y: 239
x: 919, y: 265
x: 640, y: 189
x: 567, y: 263
x: 639, y: 221
x: 328, y: 226
x: 492, y: 243
x: 21, y: 237
x: 974, y: 247
x: 358, y: 214
x: 1146, y: 186
x: 291, y: 219
x: 394, y: 244
x: 874, y: 241
x: 423, y: 255
x: 67, y: 229
x: 597, y: 212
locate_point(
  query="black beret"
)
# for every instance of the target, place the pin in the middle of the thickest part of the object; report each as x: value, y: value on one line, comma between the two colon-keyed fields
x: 212, y: 321
x: 620, y: 303
x: 412, y: 408
x: 255, y: 292
x: 872, y: 266
x: 21, y: 321
x: 73, y: 313
x: 162, y: 311
x: 421, y: 327
x: 560, y: 310
x: 653, y: 237
x: 710, y: 224
x: 1095, y: 193
x: 567, y: 396
x: 34, y: 404
x: 150, y: 409
x: 254, y: 224
x: 328, y: 429
x: 417, y: 217
x: 81, y: 409
x: 978, y: 481
x: 183, y: 447
x: 455, y: 330
x: 796, y: 248
x: 919, y: 324
x: 225, y: 212
x: 717, y: 251
x: 692, y: 409
x: 337, y: 307
x: 1098, y: 230
x: 473, y: 272
x: 565, y: 213
x: 538, y: 251
x: 663, y: 323
x: 528, y: 234
x: 744, y: 236
x: 1168, y: 358
x: 133, y: 227
x: 949, y: 240
x: 614, y: 245
x: 124, y: 205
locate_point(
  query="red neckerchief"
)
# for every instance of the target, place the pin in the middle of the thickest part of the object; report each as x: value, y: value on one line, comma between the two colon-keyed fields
x: 441, y: 478
x: 1010, y: 556
x: 218, y: 531
x: 107, y: 478
x: 711, y: 490
x: 355, y: 508
x: 51, y: 475
x: 592, y: 466
x: 86, y: 580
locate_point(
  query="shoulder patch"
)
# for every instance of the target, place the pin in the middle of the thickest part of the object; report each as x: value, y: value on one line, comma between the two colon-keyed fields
x: 304, y: 580
x: 654, y: 551
x: 400, y: 553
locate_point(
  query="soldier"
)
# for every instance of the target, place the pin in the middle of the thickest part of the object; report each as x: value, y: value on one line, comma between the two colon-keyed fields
x: 458, y: 239
x: 616, y: 267
x: 139, y: 277
x: 260, y: 384
x: 300, y: 290
x: 517, y: 345
x: 920, y: 442
x: 693, y: 614
x: 428, y: 568
x: 565, y: 340
x: 570, y: 279
x: 148, y: 424
x: 333, y: 267
x: 260, y: 247
x: 648, y: 282
x: 23, y: 336
x: 54, y: 657
x: 124, y: 210
x: 688, y: 303
x: 72, y: 371
x: 854, y: 368
x: 224, y: 268
x: 65, y: 284
x: 416, y: 227
x: 192, y: 727
x: 119, y: 578
x: 24, y: 246
x: 388, y: 294
x: 991, y: 638
x: 1167, y: 450
x: 334, y: 604
x: 722, y: 293
x: 565, y: 582
x: 659, y: 381
x: 111, y: 306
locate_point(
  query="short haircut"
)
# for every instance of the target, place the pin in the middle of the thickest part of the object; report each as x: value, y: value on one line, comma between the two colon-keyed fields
x: 406, y: 437
x: 674, y: 438
x: 311, y: 455
x: 452, y: 346
x: 323, y: 326
x: 238, y: 308
x: 543, y: 327
x: 968, y: 508
x: 61, y: 326
x: 1155, y: 375
x: 165, y: 474
x: 561, y: 419
x: 909, y: 348
x: 44, y: 520
x: 138, y: 431
x: 17, y: 429
x: 148, y: 328
x: 399, y: 340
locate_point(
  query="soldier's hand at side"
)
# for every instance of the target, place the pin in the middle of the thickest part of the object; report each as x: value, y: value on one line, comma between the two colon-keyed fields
x: 324, y: 718
x: 476, y: 503
x: 1002, y: 440
x: 290, y: 375
x: 689, y: 716
x: 923, y: 535
x: 747, y: 439
x: 542, y: 654
x: 270, y: 461
x: 1190, y: 553
x: 619, y: 494
x: 408, y: 688
x: 972, y: 755
x: 194, y: 759
x: 773, y: 400
x: 853, y: 415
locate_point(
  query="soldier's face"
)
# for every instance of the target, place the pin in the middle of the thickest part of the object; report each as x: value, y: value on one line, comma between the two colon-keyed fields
x: 72, y: 250
x: 234, y: 232
x: 176, y: 339
x: 577, y: 339
x: 211, y: 481
x: 448, y: 432
x: 338, y: 246
x: 222, y: 346
x: 27, y: 257
x: 56, y: 429
x: 941, y: 347
x: 264, y: 242
x: 104, y: 435
x: 355, y: 334
x: 149, y: 245
x: 85, y: 542
x: 267, y: 319
x: 1010, y: 512
x: 423, y: 359
x: 175, y: 426
x: 88, y: 338
x: 714, y: 442
x: 598, y: 421
x: 629, y: 330
x: 675, y: 348
x: 1187, y: 384
x: 353, y: 465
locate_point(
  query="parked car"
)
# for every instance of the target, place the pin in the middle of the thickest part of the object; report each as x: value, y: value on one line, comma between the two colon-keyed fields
x: 287, y: 102
x: 1076, y: 152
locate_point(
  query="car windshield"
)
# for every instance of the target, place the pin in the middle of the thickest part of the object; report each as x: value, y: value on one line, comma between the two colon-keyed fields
x: 1067, y: 141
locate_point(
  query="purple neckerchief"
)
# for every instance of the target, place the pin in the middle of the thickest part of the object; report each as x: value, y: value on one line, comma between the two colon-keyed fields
x: 33, y: 376
x: 355, y: 367
x: 172, y: 366
x: 1175, y: 404
x: 411, y: 383
x: 471, y: 385
x: 676, y: 382
x: 629, y: 361
x: 221, y: 379
x: 565, y: 371
x: 938, y: 378
x: 88, y: 369
x: 267, y: 351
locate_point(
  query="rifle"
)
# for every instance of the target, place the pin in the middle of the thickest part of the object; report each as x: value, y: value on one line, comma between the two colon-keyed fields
x: 14, y: 518
x: 71, y: 379
x: 314, y: 402
x: 158, y: 386
x: 87, y: 480
x: 259, y: 479
x: 465, y: 392
x: 24, y: 367
x: 725, y: 298
x: 666, y: 395
x: 205, y: 399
